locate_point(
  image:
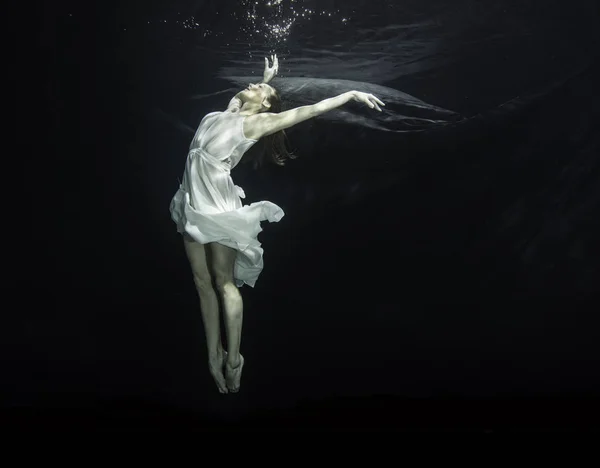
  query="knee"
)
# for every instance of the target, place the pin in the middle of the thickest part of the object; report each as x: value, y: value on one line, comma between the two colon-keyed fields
x: 203, y: 285
x: 226, y: 286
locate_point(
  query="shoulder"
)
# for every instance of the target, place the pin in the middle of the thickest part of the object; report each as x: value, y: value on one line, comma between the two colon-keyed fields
x: 234, y: 105
x: 258, y: 125
x: 254, y: 125
x: 210, y: 116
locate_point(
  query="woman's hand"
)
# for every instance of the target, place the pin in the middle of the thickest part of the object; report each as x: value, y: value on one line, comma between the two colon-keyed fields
x: 368, y: 99
x: 270, y: 72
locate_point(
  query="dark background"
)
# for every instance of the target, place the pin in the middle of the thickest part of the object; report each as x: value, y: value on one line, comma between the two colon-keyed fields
x: 435, y: 279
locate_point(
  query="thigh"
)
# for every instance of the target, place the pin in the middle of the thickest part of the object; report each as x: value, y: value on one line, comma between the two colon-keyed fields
x: 197, y: 255
x: 223, y: 260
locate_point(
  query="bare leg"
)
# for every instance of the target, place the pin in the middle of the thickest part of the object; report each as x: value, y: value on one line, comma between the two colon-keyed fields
x: 223, y: 259
x: 209, y: 308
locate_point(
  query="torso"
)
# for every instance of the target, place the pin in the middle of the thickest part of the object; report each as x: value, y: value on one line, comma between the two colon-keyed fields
x: 223, y: 136
x: 251, y: 130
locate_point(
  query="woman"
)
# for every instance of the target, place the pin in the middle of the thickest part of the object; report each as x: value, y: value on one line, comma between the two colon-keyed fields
x: 220, y: 234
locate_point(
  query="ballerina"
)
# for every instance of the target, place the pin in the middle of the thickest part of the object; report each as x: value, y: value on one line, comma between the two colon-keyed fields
x: 219, y: 232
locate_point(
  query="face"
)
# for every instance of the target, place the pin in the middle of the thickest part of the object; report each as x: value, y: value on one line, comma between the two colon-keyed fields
x: 258, y: 94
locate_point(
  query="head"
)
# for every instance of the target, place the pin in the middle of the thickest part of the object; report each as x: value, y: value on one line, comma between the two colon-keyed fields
x: 271, y: 148
x: 257, y: 98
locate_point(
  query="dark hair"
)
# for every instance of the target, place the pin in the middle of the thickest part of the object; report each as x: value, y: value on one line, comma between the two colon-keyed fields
x: 270, y: 148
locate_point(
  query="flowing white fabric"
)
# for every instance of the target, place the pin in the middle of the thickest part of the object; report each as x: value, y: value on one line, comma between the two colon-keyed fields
x: 208, y: 206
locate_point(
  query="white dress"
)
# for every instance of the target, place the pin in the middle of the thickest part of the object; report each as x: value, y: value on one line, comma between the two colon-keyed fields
x: 208, y: 206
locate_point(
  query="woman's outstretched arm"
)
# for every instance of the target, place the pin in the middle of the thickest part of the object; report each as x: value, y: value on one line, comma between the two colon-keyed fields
x: 259, y: 125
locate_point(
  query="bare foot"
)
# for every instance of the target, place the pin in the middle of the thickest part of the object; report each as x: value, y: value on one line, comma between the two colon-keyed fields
x: 233, y: 376
x: 216, y: 370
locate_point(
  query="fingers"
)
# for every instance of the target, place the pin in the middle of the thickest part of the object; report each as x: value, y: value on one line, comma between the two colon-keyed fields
x: 375, y: 102
x: 275, y: 61
x: 372, y: 101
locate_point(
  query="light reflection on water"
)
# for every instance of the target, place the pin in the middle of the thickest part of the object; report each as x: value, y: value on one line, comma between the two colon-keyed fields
x: 271, y: 22
x: 412, y: 46
x: 377, y: 42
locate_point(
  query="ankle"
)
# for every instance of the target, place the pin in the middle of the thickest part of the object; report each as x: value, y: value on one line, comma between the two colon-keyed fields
x: 217, y: 355
x: 233, y: 361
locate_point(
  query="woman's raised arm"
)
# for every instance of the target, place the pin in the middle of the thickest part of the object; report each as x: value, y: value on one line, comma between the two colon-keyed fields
x: 268, y: 74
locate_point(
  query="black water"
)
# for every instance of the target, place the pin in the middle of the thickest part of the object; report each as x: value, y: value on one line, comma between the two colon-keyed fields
x: 456, y: 265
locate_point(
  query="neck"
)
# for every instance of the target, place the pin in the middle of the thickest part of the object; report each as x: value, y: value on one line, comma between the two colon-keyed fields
x: 249, y: 109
